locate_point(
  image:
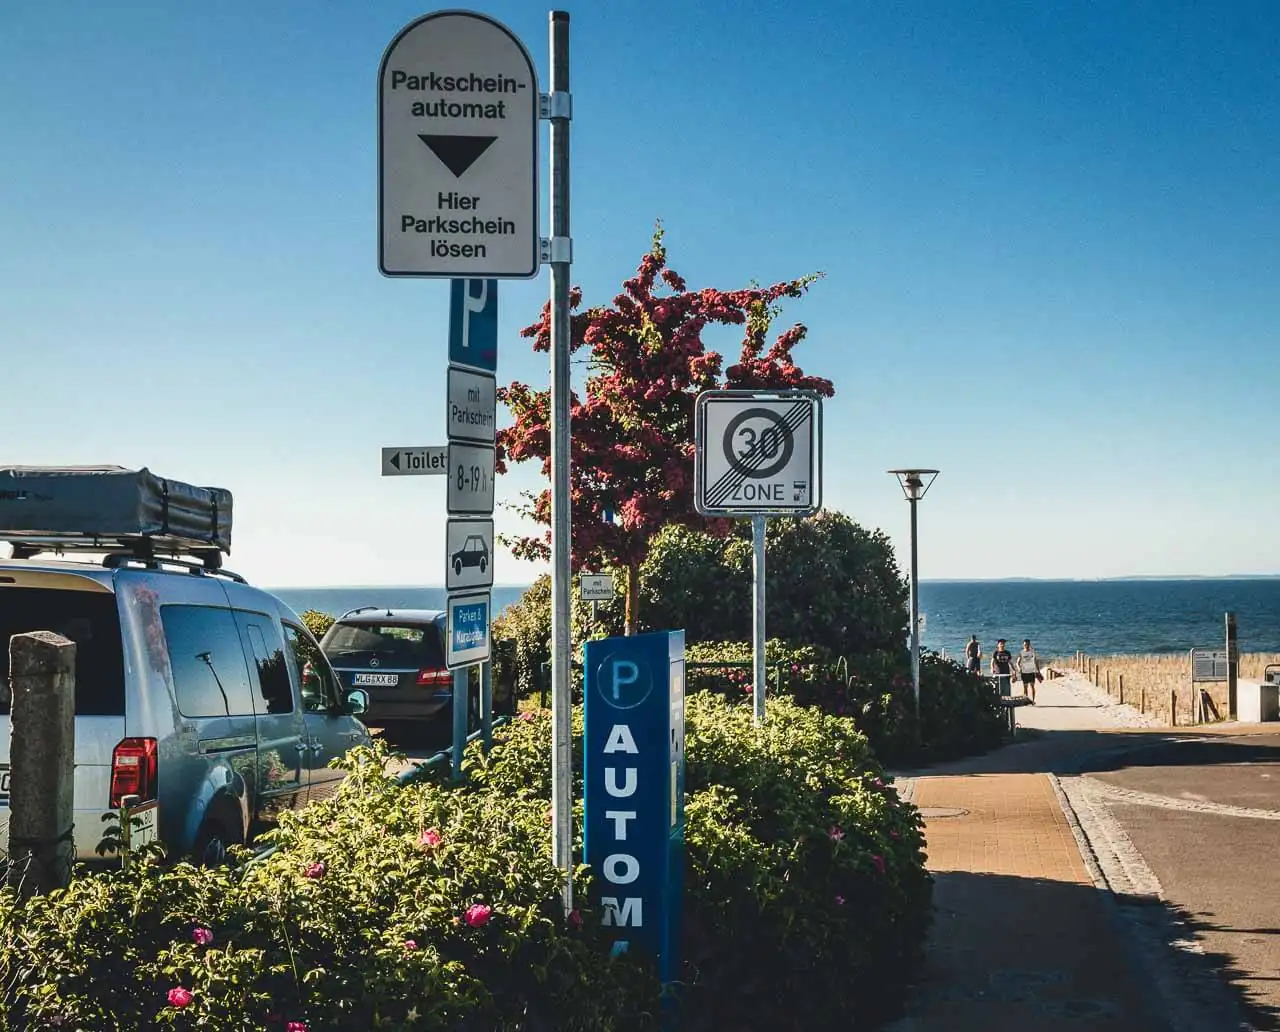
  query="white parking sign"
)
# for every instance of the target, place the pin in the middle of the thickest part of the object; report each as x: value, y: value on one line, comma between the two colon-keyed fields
x: 758, y: 453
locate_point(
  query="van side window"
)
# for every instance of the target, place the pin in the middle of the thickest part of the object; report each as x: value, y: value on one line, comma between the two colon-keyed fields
x: 209, y: 671
x: 273, y: 673
x: 316, y: 679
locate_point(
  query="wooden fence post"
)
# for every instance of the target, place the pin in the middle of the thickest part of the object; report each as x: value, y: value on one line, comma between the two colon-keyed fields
x: 1108, y: 682
x: 1144, y: 699
x: 1173, y: 707
x: 1122, y: 689
x: 42, y: 675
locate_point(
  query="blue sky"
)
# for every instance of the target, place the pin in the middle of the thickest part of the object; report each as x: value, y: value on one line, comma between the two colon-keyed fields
x: 1050, y: 234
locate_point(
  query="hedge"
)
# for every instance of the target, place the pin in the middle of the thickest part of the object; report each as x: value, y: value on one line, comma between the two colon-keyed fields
x: 806, y: 898
x: 433, y: 908
x: 412, y: 909
x: 960, y: 712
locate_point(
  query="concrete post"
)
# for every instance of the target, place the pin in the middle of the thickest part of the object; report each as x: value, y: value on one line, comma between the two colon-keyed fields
x: 42, y: 725
x: 1233, y: 666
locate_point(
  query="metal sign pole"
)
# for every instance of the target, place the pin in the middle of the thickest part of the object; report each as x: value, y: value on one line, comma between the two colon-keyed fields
x: 915, y: 614
x: 561, y: 578
x: 758, y: 526
x: 461, y: 704
x: 486, y: 704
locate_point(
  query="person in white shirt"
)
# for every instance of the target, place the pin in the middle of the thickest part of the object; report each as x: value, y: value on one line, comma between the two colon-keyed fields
x: 1029, y: 668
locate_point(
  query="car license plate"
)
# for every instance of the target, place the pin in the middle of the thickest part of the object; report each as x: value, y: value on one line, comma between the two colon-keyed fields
x: 377, y: 680
x: 143, y: 821
x: 4, y: 785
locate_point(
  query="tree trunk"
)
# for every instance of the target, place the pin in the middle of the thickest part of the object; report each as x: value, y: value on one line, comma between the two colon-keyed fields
x: 632, y: 615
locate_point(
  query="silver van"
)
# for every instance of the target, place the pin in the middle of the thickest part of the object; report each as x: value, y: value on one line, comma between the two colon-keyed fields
x: 203, y: 696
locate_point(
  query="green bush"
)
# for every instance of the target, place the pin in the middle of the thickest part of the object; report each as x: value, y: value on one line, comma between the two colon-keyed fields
x: 360, y: 920
x: 526, y: 623
x: 960, y: 713
x: 316, y: 622
x: 806, y: 898
x: 831, y: 583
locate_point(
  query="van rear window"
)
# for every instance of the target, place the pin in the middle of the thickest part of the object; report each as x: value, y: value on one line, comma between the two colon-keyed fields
x: 89, y: 619
x: 403, y: 646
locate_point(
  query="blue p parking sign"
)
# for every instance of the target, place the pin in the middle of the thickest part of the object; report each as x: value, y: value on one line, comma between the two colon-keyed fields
x: 473, y: 324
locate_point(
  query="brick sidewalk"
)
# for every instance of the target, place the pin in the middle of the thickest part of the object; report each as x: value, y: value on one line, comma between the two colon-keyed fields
x: 1023, y: 940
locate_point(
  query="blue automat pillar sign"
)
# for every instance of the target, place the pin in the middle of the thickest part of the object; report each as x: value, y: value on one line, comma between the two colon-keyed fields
x: 634, y: 789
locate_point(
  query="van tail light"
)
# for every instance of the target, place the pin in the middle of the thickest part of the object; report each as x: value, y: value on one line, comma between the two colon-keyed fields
x: 428, y: 678
x: 133, y: 770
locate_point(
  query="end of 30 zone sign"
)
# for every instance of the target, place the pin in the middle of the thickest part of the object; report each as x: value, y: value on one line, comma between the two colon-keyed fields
x: 758, y: 453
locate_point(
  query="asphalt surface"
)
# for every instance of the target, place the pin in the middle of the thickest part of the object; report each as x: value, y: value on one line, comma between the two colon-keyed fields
x: 1234, y: 771
x: 1220, y: 871
x: 1221, y: 875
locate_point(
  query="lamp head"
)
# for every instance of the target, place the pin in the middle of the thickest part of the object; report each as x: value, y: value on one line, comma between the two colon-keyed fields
x: 915, y: 482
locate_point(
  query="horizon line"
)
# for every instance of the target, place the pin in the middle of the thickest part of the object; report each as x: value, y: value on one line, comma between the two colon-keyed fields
x: 923, y: 580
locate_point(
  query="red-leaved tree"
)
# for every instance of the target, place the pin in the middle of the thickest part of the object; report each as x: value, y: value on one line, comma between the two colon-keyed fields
x: 632, y: 451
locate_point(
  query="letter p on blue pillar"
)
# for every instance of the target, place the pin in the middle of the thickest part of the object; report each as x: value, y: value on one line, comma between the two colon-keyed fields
x: 633, y: 773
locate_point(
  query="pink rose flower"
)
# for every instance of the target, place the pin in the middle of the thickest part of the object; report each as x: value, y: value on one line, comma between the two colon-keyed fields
x: 878, y: 860
x: 839, y: 901
x: 575, y: 918
x: 296, y: 1026
x: 410, y: 945
x: 835, y: 834
x: 526, y: 715
x: 180, y: 997
x: 478, y: 915
x: 430, y: 838
x: 202, y: 936
x: 316, y: 870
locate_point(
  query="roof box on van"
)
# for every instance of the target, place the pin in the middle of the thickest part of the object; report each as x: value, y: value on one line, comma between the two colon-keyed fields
x: 110, y: 508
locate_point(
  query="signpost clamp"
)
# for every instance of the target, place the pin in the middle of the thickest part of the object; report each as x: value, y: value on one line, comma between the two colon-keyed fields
x: 555, y: 249
x: 558, y: 104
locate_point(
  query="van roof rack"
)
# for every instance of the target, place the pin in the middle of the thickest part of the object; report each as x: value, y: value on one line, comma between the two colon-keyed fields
x: 118, y: 560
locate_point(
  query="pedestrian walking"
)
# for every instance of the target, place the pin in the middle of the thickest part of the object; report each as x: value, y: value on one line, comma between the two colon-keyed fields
x: 1029, y: 668
x: 1002, y: 668
x: 973, y: 655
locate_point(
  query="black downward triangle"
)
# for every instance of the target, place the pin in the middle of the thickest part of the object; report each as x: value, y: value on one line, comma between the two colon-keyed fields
x: 395, y: 460
x: 457, y: 153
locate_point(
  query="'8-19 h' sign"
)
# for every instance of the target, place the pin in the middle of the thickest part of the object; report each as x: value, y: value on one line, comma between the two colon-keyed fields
x: 634, y: 788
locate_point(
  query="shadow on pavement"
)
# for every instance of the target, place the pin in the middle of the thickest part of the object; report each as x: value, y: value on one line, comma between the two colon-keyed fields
x: 1207, y: 752
x: 1010, y: 954
x: 1049, y: 751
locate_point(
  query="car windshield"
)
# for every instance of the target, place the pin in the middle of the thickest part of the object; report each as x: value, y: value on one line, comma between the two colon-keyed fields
x: 409, y: 646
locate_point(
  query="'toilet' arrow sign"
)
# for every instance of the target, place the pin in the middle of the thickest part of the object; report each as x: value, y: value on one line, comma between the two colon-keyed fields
x: 457, y: 151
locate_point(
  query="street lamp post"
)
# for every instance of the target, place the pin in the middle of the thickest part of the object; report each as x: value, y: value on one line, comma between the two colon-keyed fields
x: 914, y: 486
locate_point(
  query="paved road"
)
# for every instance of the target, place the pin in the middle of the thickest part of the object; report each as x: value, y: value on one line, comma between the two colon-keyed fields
x: 1181, y: 824
x: 1205, y: 817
